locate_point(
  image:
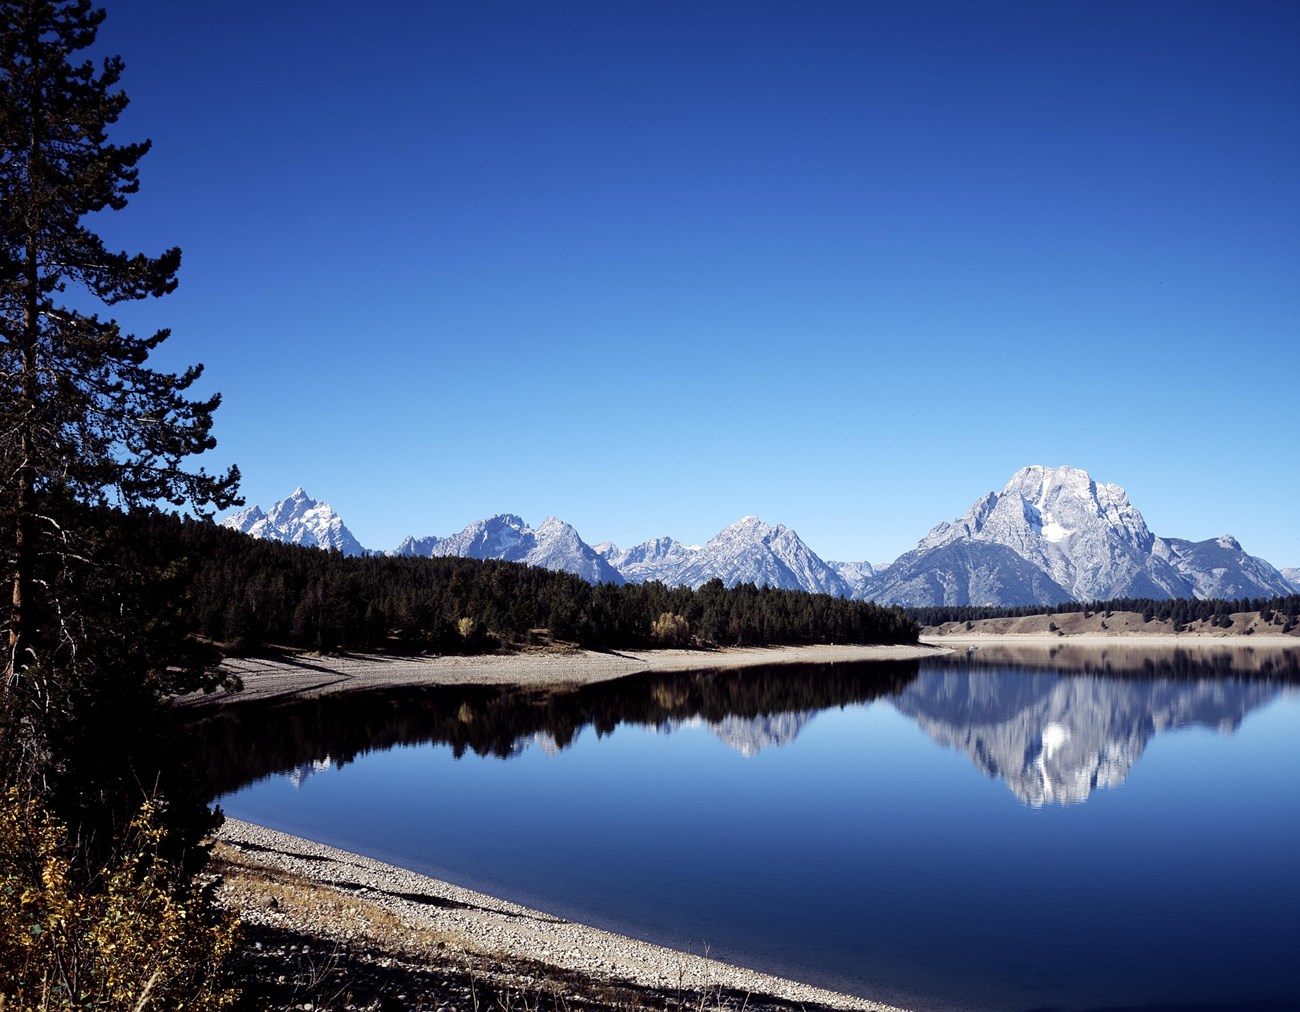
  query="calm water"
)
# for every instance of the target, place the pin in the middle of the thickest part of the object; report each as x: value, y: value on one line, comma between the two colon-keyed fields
x: 967, y: 834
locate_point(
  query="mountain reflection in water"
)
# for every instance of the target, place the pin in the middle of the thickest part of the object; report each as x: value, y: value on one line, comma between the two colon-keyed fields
x: 749, y: 709
x: 844, y: 848
x: 1056, y: 738
x: 1052, y: 737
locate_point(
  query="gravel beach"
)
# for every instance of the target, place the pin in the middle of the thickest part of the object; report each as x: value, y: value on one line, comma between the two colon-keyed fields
x: 336, y: 930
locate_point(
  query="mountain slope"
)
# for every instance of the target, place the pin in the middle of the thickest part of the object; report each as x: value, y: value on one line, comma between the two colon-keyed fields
x: 964, y: 573
x: 857, y: 576
x: 1088, y: 538
x: 1052, y: 534
x: 1220, y: 568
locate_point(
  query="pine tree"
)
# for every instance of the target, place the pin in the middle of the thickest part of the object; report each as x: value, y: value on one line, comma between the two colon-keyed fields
x: 84, y: 420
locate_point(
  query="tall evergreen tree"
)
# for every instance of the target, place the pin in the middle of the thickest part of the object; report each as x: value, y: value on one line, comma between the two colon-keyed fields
x: 84, y: 419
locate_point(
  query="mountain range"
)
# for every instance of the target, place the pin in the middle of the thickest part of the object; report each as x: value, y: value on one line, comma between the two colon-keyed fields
x: 1051, y: 535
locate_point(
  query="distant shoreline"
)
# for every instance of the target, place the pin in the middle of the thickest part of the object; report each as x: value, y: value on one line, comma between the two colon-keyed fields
x: 1113, y: 629
x: 1199, y: 641
x: 310, y: 675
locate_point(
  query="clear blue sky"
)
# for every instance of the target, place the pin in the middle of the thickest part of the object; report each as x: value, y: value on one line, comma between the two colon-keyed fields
x: 652, y: 266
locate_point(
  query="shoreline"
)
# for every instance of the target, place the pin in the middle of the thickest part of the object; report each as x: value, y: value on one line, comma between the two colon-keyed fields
x: 302, y: 676
x: 1162, y: 641
x: 432, y: 930
x: 278, y: 881
x: 310, y: 675
x: 437, y: 942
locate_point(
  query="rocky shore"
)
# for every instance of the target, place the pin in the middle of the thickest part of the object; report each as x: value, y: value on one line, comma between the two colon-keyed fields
x: 331, y: 930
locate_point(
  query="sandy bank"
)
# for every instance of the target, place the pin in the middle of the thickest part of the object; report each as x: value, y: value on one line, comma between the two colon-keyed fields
x: 342, y: 899
x: 311, y: 675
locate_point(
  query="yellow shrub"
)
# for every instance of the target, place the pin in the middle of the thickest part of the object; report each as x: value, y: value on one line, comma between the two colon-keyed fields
x: 672, y: 629
x: 130, y: 939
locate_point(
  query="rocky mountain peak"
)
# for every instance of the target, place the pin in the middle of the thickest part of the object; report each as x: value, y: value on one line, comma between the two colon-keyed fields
x: 297, y: 519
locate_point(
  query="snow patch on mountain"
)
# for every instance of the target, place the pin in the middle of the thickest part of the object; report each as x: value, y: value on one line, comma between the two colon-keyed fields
x: 1292, y: 576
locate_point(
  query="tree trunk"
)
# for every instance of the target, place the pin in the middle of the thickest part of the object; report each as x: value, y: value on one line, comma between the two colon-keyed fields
x: 23, y: 543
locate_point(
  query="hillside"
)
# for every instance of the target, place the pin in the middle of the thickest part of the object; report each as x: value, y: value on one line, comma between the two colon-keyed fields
x: 1115, y: 624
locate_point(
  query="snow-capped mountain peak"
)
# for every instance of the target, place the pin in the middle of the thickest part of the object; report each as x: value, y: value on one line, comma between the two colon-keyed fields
x: 297, y: 519
x: 505, y: 536
x: 1051, y: 534
x: 657, y: 559
x: 1054, y: 534
x: 1086, y: 537
x: 750, y: 551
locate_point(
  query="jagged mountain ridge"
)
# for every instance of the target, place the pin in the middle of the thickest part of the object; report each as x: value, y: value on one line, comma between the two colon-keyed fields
x: 750, y: 551
x: 1051, y: 535
x: 553, y: 545
x: 658, y: 559
x: 297, y: 519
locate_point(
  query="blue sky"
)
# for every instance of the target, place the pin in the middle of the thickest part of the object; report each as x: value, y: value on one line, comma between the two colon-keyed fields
x: 650, y: 267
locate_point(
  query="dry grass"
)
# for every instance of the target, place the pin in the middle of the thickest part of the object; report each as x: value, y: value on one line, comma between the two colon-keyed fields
x: 273, y: 895
x: 1117, y: 624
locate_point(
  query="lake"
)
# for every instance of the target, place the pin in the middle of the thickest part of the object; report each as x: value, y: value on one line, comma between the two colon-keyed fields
x: 1061, y: 830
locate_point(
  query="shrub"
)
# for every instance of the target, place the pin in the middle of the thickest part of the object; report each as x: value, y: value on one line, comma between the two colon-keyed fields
x: 672, y: 629
x: 134, y: 934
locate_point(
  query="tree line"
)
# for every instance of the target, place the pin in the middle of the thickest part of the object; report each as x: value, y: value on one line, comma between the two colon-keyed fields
x: 251, y: 595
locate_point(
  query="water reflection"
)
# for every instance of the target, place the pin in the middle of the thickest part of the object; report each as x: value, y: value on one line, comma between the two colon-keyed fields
x: 1051, y: 732
x: 1053, y: 738
x: 749, y: 710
